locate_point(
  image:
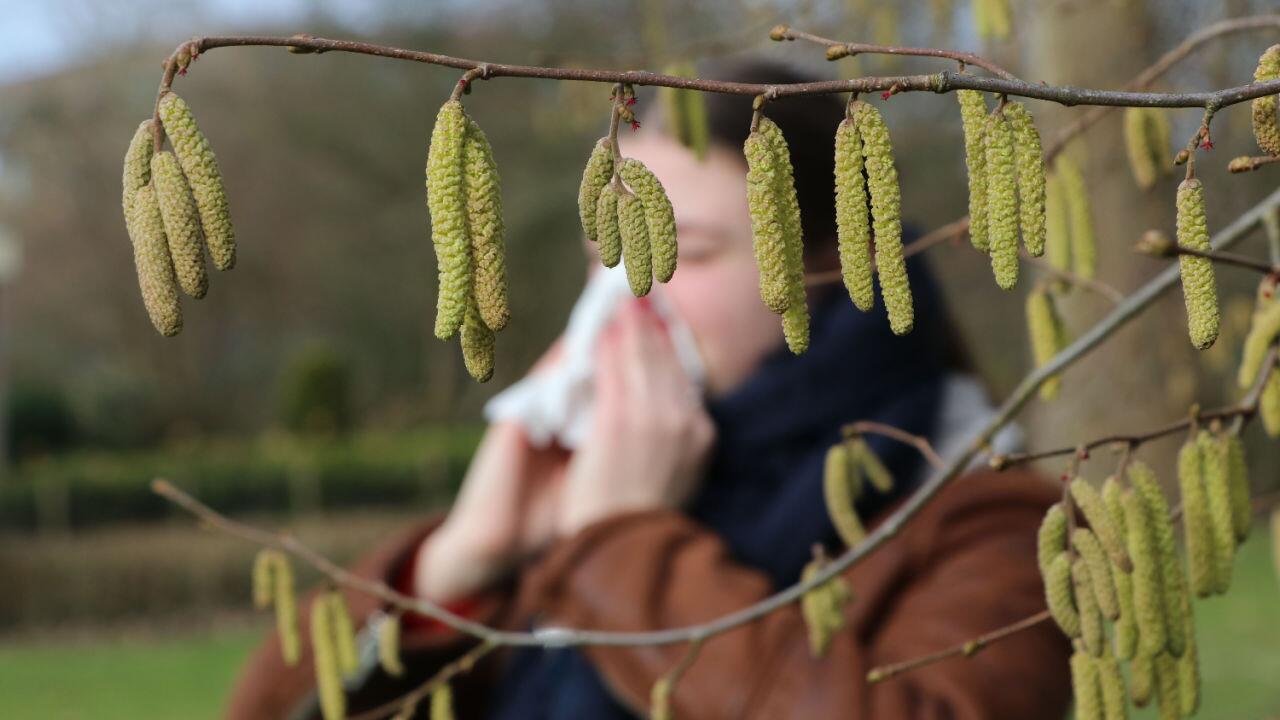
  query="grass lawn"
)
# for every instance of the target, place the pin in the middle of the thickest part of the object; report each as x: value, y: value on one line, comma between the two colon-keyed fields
x: 151, y: 675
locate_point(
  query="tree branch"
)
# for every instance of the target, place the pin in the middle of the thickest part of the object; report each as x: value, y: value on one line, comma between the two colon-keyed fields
x: 837, y: 50
x: 919, y: 442
x: 968, y: 648
x: 420, y: 693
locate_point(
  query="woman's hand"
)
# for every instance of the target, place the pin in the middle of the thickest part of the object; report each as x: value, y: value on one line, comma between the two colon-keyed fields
x: 650, y: 435
x: 505, y: 512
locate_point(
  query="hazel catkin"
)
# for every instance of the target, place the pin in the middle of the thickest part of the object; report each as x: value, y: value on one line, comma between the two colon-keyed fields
x: 333, y: 701
x: 1059, y: 595
x: 1168, y: 694
x: 1196, y: 524
x: 852, y: 219
x: 1263, y: 328
x: 686, y: 111
x: 442, y: 702
x: 973, y: 118
x: 608, y: 237
x: 485, y: 228
x: 389, y: 645
x: 1085, y: 686
x: 1095, y: 560
x: 633, y: 230
x: 1172, y: 584
x: 1051, y: 539
x: 1084, y: 247
x: 886, y: 217
x: 153, y: 264
x: 1057, y: 227
x: 1238, y: 474
x: 286, y: 602
x: 137, y: 164
x: 446, y: 200
x: 200, y: 167
x: 659, y: 217
x: 1126, y: 628
x: 1045, y: 327
x: 767, y: 223
x: 1142, y: 679
x: 1091, y: 505
x: 1148, y: 596
x: 795, y: 319
x: 1092, y: 633
x: 595, y: 177
x: 870, y: 465
x: 1199, y: 289
x: 1269, y: 404
x: 1028, y: 156
x: 1111, y: 683
x: 478, y: 346
x: 1146, y: 138
x: 841, y: 485
x: 1002, y: 200
x: 263, y: 568
x: 1266, y: 127
x: 181, y: 223
x: 1217, y: 485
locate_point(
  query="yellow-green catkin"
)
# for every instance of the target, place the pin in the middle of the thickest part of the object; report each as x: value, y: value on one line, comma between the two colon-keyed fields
x: 659, y: 217
x: 1057, y: 225
x: 263, y: 568
x: 1217, y: 485
x: 1092, y: 631
x: 286, y: 601
x: 1263, y: 327
x: 1168, y: 694
x: 1051, y: 539
x: 485, y: 228
x: 1085, y: 685
x: 1002, y: 200
x: 1095, y: 559
x: 447, y: 203
x: 1028, y: 155
x: 822, y: 608
x: 442, y: 702
x: 660, y: 699
x: 1172, y: 584
x: 992, y: 18
x: 201, y: 169
x: 853, y: 221
x: 1269, y: 404
x: 870, y: 465
x: 973, y: 118
x: 137, y: 164
x: 151, y: 260
x: 886, y: 217
x: 767, y: 223
x: 1196, y: 524
x: 333, y: 702
x: 1146, y: 139
x: 595, y: 177
x: 1091, y: 505
x: 1148, y: 596
x: 1114, y: 703
x: 685, y: 111
x: 479, y: 352
x: 1142, y: 679
x: 181, y: 223
x: 1199, y: 289
x: 841, y: 485
x: 344, y: 634
x: 1189, y: 666
x: 795, y: 319
x: 1238, y: 474
x: 1045, y: 327
x: 1059, y: 595
x: 1126, y: 628
x: 389, y: 646
x: 1084, y: 247
x: 608, y: 237
x: 1266, y: 127
x: 635, y: 243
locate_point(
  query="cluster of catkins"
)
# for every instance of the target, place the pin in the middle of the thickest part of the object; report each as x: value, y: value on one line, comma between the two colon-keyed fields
x: 1006, y: 182
x: 332, y: 633
x: 625, y: 211
x: 1124, y: 569
x: 849, y: 464
x: 1146, y: 139
x: 174, y: 207
x: 464, y: 197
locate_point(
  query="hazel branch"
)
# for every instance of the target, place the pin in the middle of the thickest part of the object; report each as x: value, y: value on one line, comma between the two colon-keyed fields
x: 968, y: 648
x: 837, y: 50
x: 919, y: 442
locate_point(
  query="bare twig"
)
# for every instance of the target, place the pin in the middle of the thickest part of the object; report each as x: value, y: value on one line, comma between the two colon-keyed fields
x: 418, y: 694
x: 837, y: 50
x: 968, y: 648
x: 1250, y: 163
x: 1226, y: 258
x: 919, y: 442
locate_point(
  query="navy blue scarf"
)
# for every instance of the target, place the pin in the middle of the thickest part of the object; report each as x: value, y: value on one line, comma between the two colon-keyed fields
x: 763, y: 490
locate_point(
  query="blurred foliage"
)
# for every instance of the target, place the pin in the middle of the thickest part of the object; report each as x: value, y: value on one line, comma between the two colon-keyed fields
x: 39, y: 421
x: 275, y: 473
x: 316, y: 393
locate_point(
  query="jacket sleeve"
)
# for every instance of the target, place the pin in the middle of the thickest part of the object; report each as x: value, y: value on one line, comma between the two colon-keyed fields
x: 268, y: 689
x: 964, y: 566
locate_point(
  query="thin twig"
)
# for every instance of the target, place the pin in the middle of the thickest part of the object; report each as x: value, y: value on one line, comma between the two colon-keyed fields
x: 1226, y: 258
x: 837, y: 50
x: 968, y: 648
x: 919, y: 442
x: 1251, y: 163
x: 1091, y: 284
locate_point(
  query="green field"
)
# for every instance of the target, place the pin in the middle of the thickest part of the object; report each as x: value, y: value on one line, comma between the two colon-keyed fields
x: 187, y: 675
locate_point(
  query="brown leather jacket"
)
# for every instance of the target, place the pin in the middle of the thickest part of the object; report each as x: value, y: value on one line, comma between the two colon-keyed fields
x: 963, y: 566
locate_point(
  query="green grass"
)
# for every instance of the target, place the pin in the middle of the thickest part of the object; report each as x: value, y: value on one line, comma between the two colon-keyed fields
x: 186, y: 676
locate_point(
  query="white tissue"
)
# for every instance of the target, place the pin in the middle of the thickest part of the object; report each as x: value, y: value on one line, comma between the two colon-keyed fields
x: 556, y: 403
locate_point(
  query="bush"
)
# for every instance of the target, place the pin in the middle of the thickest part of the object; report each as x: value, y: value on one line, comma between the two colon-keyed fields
x: 315, y: 394
x: 40, y: 421
x: 273, y: 474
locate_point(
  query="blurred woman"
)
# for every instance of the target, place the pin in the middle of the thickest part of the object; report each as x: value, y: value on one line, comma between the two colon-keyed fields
x: 683, y: 505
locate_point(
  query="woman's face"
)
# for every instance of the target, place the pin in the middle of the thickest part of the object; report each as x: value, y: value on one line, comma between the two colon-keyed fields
x: 716, y: 285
